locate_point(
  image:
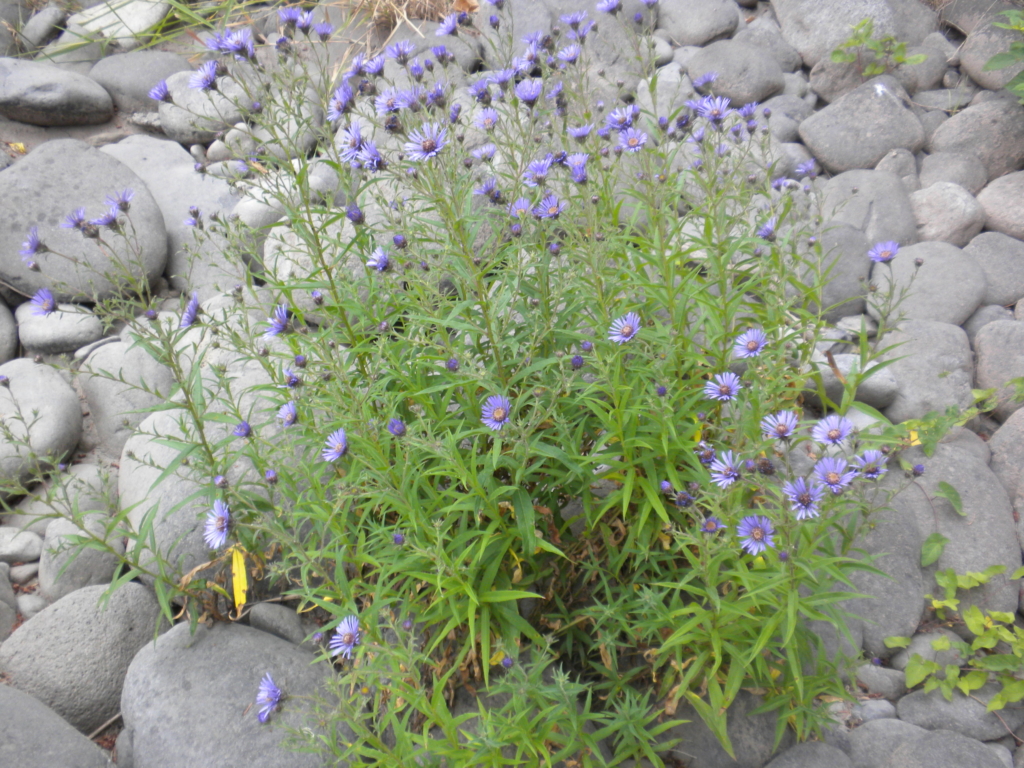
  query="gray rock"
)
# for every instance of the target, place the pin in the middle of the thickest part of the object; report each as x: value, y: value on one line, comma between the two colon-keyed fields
x: 43, y: 412
x: 815, y: 29
x: 902, y: 163
x: 8, y: 334
x: 927, y: 74
x: 670, y: 92
x: 984, y: 42
x: 765, y: 33
x: 993, y: 131
x: 1000, y: 350
x: 984, y: 315
x: 956, y: 167
x: 173, y: 727
x: 42, y: 26
x: 122, y: 23
x: 279, y: 620
x: 168, y: 171
x: 831, y: 79
x: 752, y: 736
x: 65, y: 330
x: 8, y: 618
x: 63, y: 568
x: 923, y: 645
x: 34, y: 736
x: 128, y: 77
x: 746, y: 72
x: 796, y: 85
x: 876, y: 709
x: 947, y: 287
x: 697, y: 22
x: 42, y: 94
x: 1003, y: 205
x: 662, y: 50
x: 83, y: 487
x: 931, y: 121
x: 872, y: 742
x: 858, y: 129
x: 875, y: 202
x: 73, y: 656
x: 1002, y: 752
x: 126, y: 382
x: 935, y: 370
x: 29, y: 604
x: 965, y: 15
x: 1007, y: 444
x: 1001, y: 258
x: 53, y: 180
x: 843, y: 248
x: 947, y: 212
x: 17, y: 546
x: 963, y: 715
x: 945, y: 99
x: 195, y: 117
x: 811, y: 754
x: 75, y: 50
x: 878, y: 391
x: 889, y: 683
x: 6, y: 590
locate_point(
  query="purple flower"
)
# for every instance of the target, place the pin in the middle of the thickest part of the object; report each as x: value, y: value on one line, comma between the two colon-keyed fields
x: 160, y: 92
x: 195, y: 217
x: 803, y: 497
x: 387, y: 102
x: 587, y: 346
x: 714, y: 108
x: 449, y: 26
x: 288, y: 413
x: 335, y: 446
x: 779, y: 426
x: 239, y: 43
x: 577, y: 165
x: 442, y: 54
x: 270, y: 476
x: 268, y: 698
x: 724, y: 387
x: 289, y: 16
x: 278, y: 321
x: 570, y: 54
x: 550, y: 207
x: 204, y: 78
x: 581, y: 32
x: 32, y: 245
x: 481, y: 90
x: 400, y: 51
x: 750, y: 343
x: 767, y: 230
x: 712, y: 525
x: 426, y: 142
x: 396, y: 427
x: 323, y: 30
x: 242, y: 430
x: 883, y: 253
x: 374, y: 66
x: 340, y: 103
x: 121, y: 200
x: 191, y: 311
x: 705, y: 453
x: 757, y: 533
x: 355, y: 214
x: 625, y: 328
x: 452, y: 364
x: 871, y: 465
x: 834, y: 472
x: 507, y: 662
x: 620, y: 119
x: 379, y: 260
x: 485, y: 153
x: 305, y: 22
x: 291, y: 378
x: 917, y: 470
x: 43, y: 303
x: 350, y: 141
x: 725, y: 470
x: 808, y: 168
x: 529, y: 91
x: 580, y: 133
x: 832, y: 430
x: 75, y: 220
x: 705, y: 80
x: 573, y: 20
x: 398, y: 538
x: 489, y: 189
x: 662, y: 391
x: 536, y: 173
x: 609, y: 6
x: 215, y: 532
x: 346, y: 637
x: 632, y: 140
x: 370, y: 158
x: 487, y: 119
x: 496, y: 412
x: 683, y: 500
x: 576, y: 362
x: 453, y: 113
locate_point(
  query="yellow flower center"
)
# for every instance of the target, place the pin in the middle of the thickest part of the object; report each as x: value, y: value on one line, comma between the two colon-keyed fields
x: 832, y: 478
x: 752, y: 345
x: 834, y: 434
x: 498, y: 414
x: 757, y: 534
x: 348, y: 638
x: 626, y: 330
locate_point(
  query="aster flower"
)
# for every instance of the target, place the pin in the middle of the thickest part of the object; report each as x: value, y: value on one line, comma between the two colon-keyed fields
x: 683, y: 500
x: 632, y: 140
x: 351, y: 141
x: 502, y: 77
x: 239, y: 43
x: 725, y: 470
x: 487, y: 119
x: 808, y: 168
x: 767, y: 230
x: 609, y: 6
x: 577, y: 165
x: 121, y: 200
x: 528, y: 91
x: 750, y: 343
x: 289, y: 16
x: 485, y: 153
x: 581, y: 32
x: 292, y: 380
x: 107, y: 219
x: 871, y: 465
x: 570, y: 54
x: 355, y: 214
x: 387, y: 102
x: 714, y: 108
x: 536, y: 173
x: 803, y: 497
x: 278, y: 322
x: 242, y: 429
x: 573, y: 20
x: 580, y: 133
x: 400, y: 51
x: 215, y: 532
x: 204, y: 78
x: 268, y: 698
x: 75, y: 220
x: 346, y: 637
x: 917, y: 470
x: 449, y: 26
x: 335, y: 446
x: 489, y: 189
x: 43, y: 303
x: 452, y: 364
x: 550, y: 207
x: 195, y: 218
x: 520, y: 208
x: 481, y: 90
x: 724, y: 387
x: 453, y: 113
x: 705, y: 453
x: 288, y: 413
x: 712, y: 525
x: 496, y: 412
x: 832, y: 430
x: 625, y: 328
x: 426, y: 142
x: 883, y: 253
x: 191, y: 311
x: 341, y: 102
x: 437, y: 95
x: 756, y: 532
x: 270, y: 476
x: 374, y: 66
x: 705, y: 80
x: 779, y: 426
x: 305, y: 22
x: 379, y: 260
x: 32, y: 245
x: 412, y: 98
x: 576, y: 362
x: 370, y: 158
x: 442, y: 54
x: 834, y: 472
x: 396, y: 427
x: 323, y: 30
x: 160, y: 92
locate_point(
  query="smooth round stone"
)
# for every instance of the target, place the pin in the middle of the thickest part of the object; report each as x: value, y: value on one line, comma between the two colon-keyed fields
x: 746, y: 72
x: 122, y: 23
x: 17, y: 546
x: 42, y: 94
x: 877, y: 709
x: 65, y: 330
x: 1001, y: 258
x: 128, y: 77
x: 697, y: 22
x: 956, y: 167
x: 64, y: 569
x: 194, y: 116
x: 947, y: 212
x: 8, y: 334
x: 1003, y: 203
x: 993, y: 131
x: 999, y: 347
x: 29, y: 604
x: 34, y: 736
x: 43, y: 23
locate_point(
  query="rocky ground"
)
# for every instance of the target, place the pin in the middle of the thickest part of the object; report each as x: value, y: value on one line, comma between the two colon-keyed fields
x: 927, y: 155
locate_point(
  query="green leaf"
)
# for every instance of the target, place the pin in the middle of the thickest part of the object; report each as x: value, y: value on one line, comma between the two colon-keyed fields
x: 998, y: 662
x: 1018, y: 574
x: 917, y: 58
x: 974, y: 619
x: 950, y: 493
x: 931, y: 549
x: 1001, y: 61
x: 897, y: 642
x: 941, y: 643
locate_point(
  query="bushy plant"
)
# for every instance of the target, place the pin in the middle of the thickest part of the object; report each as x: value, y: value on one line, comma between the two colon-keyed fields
x: 527, y: 389
x: 1012, y: 57
x: 874, y: 56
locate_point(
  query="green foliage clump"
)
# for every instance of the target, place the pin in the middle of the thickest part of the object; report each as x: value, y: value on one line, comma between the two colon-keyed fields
x: 874, y: 56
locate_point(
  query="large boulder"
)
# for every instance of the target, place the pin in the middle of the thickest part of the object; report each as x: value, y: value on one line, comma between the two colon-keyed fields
x: 42, y: 94
x: 1000, y: 350
x: 993, y: 131
x: 745, y: 72
x: 34, y: 736
x: 1003, y: 203
x: 875, y: 202
x: 1001, y: 258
